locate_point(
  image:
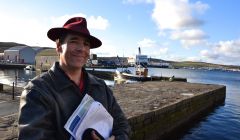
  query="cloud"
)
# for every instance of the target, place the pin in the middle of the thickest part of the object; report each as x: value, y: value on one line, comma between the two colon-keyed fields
x: 200, y: 7
x: 163, y: 50
x: 33, y: 31
x: 176, y: 14
x: 224, y: 52
x: 178, y: 19
x: 107, y: 49
x: 60, y: 20
x: 97, y: 23
x: 29, y: 31
x: 193, y: 58
x: 209, y: 55
x: 229, y: 48
x: 193, y: 34
x: 174, y: 57
x: 146, y: 42
x: 153, y: 48
x: 192, y: 37
x: 161, y: 53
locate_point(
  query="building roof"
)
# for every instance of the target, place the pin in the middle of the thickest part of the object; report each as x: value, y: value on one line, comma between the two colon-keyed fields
x: 47, y: 52
x: 17, y: 48
x: 37, y: 48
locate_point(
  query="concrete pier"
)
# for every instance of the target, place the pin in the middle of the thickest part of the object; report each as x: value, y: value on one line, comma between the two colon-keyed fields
x: 156, y: 109
x: 12, y: 66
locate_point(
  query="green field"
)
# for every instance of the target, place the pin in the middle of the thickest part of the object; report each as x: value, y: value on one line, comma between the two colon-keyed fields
x: 201, y: 65
x: 175, y: 64
x: 7, y: 45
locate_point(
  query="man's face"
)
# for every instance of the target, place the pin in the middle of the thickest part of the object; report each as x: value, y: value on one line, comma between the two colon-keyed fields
x: 74, y: 52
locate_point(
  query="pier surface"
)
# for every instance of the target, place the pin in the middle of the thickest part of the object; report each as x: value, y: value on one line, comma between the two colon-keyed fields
x: 136, y: 99
x: 154, y: 109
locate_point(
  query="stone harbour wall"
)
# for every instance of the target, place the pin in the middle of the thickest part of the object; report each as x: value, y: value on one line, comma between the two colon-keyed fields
x: 160, y: 124
x: 154, y: 110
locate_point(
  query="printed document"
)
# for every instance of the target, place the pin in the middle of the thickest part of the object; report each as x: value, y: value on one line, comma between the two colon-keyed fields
x: 89, y: 114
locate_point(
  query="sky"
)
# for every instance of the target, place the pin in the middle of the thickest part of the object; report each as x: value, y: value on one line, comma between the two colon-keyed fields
x: 176, y: 30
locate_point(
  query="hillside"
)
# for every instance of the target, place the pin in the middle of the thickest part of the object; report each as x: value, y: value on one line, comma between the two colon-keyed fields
x: 190, y: 64
x: 6, y: 45
x: 182, y: 64
x: 174, y: 64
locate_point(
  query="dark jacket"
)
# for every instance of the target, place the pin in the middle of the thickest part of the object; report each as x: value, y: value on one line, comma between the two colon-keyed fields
x: 50, y: 99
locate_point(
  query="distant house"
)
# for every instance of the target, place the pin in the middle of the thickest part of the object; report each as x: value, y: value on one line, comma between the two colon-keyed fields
x: 38, y: 49
x: 20, y: 54
x: 45, y: 59
x: 1, y: 56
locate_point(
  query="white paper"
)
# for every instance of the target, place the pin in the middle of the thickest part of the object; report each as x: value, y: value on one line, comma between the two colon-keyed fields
x: 89, y: 114
x: 97, y: 118
x: 78, y: 115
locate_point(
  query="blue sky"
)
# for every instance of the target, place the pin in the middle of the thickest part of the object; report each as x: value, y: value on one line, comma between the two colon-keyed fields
x: 178, y: 30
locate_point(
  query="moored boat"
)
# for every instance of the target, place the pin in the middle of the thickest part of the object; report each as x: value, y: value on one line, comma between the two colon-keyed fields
x: 29, y: 67
x: 141, y: 74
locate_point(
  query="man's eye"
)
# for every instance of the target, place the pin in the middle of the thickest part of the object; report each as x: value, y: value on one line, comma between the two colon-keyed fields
x: 72, y: 41
x: 87, y: 43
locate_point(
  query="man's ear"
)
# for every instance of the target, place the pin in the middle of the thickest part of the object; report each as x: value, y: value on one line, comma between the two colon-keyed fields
x: 59, y: 47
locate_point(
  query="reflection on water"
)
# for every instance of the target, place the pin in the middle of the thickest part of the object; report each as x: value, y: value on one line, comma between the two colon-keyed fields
x: 18, y: 76
x: 223, y: 123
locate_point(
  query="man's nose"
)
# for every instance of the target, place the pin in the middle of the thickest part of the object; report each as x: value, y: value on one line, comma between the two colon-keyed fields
x: 80, y: 46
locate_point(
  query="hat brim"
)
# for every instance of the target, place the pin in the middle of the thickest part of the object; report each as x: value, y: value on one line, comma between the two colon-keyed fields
x: 56, y: 33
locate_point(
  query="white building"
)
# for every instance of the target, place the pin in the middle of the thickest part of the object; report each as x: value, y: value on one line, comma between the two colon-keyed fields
x: 143, y: 59
x: 20, y: 54
x: 131, y: 61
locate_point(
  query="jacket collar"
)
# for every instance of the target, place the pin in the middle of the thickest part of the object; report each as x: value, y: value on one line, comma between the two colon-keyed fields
x: 91, y: 78
x: 61, y: 80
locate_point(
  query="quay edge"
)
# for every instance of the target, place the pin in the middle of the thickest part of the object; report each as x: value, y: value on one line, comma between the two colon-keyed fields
x: 174, y: 109
x: 161, y: 123
x: 12, y: 66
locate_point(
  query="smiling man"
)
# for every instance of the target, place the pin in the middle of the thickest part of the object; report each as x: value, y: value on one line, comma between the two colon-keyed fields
x: 49, y: 100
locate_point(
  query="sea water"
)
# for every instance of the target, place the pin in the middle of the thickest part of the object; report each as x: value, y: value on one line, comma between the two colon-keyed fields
x: 223, y: 123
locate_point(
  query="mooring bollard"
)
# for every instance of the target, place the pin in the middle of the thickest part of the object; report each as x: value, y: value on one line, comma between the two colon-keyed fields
x: 16, y: 80
x: 1, y: 87
x: 13, y: 91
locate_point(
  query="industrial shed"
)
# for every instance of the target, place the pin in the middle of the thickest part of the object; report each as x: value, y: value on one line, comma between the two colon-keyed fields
x: 38, y: 49
x: 45, y: 59
x: 20, y: 54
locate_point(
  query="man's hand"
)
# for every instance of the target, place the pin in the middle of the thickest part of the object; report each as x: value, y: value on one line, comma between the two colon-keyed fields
x: 95, y: 137
x: 111, y: 138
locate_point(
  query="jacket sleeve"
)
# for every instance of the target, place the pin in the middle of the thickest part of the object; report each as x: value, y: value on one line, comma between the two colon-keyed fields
x: 121, y: 128
x: 35, y: 117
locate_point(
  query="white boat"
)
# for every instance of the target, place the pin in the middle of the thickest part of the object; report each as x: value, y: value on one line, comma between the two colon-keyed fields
x: 141, y: 74
x: 30, y: 67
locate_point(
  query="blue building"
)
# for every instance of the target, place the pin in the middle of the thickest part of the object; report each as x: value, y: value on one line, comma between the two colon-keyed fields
x: 20, y: 54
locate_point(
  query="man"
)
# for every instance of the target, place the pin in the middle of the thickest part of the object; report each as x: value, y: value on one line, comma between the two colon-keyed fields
x: 49, y: 100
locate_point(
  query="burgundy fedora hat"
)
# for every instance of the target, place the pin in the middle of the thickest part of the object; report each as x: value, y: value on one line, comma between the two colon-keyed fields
x: 76, y: 25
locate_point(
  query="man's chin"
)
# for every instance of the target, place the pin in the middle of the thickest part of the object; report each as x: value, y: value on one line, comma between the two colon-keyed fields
x: 78, y: 66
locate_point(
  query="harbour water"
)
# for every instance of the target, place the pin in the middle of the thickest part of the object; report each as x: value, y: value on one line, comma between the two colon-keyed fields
x: 18, y: 76
x: 223, y: 123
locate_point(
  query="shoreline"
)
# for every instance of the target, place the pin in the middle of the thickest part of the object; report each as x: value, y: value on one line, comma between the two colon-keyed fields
x: 143, y: 100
